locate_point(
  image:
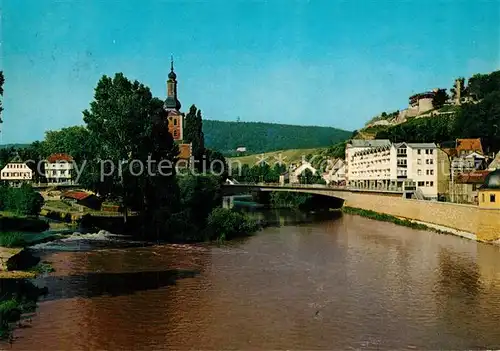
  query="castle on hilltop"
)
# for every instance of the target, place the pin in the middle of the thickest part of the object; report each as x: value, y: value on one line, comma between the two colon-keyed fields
x: 176, y: 119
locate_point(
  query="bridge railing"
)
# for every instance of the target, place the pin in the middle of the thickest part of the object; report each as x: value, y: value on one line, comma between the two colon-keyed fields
x: 392, y: 189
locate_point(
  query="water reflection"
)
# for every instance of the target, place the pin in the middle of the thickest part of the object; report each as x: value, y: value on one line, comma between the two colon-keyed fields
x: 342, y: 283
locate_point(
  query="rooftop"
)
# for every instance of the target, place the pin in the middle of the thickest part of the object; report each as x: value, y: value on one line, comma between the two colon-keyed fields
x: 474, y: 177
x: 469, y: 145
x: 59, y: 157
x: 369, y: 143
x: 77, y: 195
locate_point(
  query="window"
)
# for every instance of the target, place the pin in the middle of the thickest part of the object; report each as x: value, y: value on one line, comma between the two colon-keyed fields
x: 419, y: 172
x: 431, y: 161
x: 426, y: 183
x: 432, y: 183
x: 418, y: 151
x: 492, y: 197
x: 175, y: 121
x: 420, y: 183
x: 431, y: 172
x: 419, y: 161
x: 482, y: 200
x: 175, y: 133
x: 426, y: 162
x: 426, y: 151
x: 427, y: 172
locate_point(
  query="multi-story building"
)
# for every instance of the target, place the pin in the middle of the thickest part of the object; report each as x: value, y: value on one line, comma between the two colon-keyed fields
x: 59, y: 169
x: 390, y: 166
x: 16, y: 172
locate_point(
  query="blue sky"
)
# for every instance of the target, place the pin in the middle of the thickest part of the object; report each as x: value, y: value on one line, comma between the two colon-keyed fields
x: 328, y: 63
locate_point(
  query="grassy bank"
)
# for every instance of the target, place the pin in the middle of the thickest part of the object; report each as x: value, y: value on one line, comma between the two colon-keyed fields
x: 18, y: 297
x: 386, y: 218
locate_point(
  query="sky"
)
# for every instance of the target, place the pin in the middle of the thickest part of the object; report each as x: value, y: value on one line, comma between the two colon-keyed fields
x: 328, y: 63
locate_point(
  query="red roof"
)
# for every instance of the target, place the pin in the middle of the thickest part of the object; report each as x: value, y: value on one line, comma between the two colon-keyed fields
x: 474, y: 177
x: 59, y: 157
x: 77, y: 195
x: 469, y: 145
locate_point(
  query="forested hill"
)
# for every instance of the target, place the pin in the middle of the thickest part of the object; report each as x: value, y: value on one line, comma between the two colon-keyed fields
x: 260, y: 137
x: 16, y: 146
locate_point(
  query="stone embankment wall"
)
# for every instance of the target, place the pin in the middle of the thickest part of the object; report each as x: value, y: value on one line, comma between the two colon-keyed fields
x: 483, y: 223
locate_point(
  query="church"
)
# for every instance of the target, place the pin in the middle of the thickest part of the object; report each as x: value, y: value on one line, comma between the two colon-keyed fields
x: 175, y: 117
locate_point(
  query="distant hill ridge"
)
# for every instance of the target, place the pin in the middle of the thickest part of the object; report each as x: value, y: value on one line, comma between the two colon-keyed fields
x: 259, y: 137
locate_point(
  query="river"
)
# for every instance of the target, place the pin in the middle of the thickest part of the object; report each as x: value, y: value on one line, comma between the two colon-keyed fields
x: 342, y: 283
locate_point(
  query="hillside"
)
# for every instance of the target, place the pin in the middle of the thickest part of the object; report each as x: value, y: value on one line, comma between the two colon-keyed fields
x: 259, y: 137
x: 287, y: 156
x: 477, y: 118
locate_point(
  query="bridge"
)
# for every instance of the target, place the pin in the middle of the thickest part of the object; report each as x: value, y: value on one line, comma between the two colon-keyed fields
x: 341, y: 192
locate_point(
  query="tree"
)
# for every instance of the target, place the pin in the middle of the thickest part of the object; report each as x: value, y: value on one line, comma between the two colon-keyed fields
x: 33, y: 154
x: 121, y: 123
x: 193, y: 133
x: 480, y: 85
x: 74, y: 141
x: 439, y: 98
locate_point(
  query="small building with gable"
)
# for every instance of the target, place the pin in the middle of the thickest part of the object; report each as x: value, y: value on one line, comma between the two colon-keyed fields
x: 16, y: 172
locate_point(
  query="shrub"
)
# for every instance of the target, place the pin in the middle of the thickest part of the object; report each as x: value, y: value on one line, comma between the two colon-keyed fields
x: 225, y: 224
x: 23, y: 201
x: 12, y: 239
x: 23, y: 224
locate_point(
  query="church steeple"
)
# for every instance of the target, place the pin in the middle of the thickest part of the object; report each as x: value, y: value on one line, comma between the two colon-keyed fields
x: 172, y: 103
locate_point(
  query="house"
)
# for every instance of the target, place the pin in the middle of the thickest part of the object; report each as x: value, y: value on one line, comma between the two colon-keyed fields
x: 467, y: 146
x: 336, y: 173
x: 297, y: 171
x: 489, y: 192
x: 59, y: 169
x: 463, y: 162
x: 386, y: 165
x: 82, y: 198
x: 465, y: 187
x: 16, y: 172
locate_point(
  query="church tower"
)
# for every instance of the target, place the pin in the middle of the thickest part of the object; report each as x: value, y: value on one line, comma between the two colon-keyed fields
x: 172, y: 105
x: 175, y: 117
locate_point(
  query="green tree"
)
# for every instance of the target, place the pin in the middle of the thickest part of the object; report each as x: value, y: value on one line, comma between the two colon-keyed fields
x: 34, y: 156
x: 480, y: 85
x: 439, y: 98
x: 193, y: 133
x: 120, y: 123
x: 216, y: 163
x: 74, y: 141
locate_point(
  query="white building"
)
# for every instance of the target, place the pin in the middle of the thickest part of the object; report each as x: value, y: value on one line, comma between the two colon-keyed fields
x: 59, y: 169
x: 295, y: 172
x: 336, y: 173
x: 383, y: 165
x: 16, y: 172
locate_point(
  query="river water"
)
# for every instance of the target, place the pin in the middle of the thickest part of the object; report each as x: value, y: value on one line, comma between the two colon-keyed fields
x: 342, y: 283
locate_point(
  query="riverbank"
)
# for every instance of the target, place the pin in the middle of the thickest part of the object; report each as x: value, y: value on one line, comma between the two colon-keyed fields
x: 418, y: 225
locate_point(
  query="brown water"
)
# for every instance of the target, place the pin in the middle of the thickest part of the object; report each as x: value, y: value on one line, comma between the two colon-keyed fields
x: 340, y: 284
